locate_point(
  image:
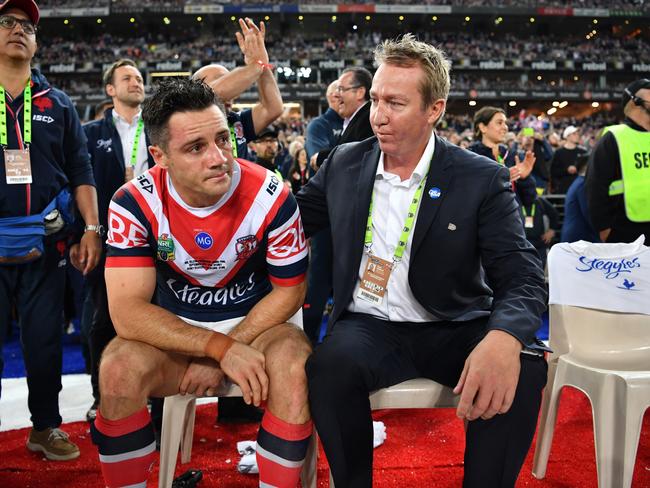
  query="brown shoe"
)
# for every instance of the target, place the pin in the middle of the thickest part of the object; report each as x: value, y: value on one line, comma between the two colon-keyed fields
x: 54, y: 443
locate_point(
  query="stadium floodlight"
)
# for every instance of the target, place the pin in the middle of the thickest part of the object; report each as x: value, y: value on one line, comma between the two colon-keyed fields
x: 468, y: 18
x: 595, y: 104
x: 333, y: 18
x: 472, y: 103
x: 563, y: 104
x: 301, y: 18
x: 66, y: 21
x: 367, y: 18
x: 199, y: 19
x: 354, y: 27
x: 532, y: 19
x: 434, y: 18
x: 132, y: 20
x: 512, y: 103
x: 595, y: 21
x: 401, y: 18
x: 551, y: 111
x: 555, y: 104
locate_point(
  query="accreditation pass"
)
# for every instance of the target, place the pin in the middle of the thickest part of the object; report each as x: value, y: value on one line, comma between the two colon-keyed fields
x: 374, y: 282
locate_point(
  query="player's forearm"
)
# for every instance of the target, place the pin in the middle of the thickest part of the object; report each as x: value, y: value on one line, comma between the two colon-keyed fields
x: 233, y: 84
x: 275, y: 308
x: 270, y: 106
x: 137, y: 320
x: 86, y: 199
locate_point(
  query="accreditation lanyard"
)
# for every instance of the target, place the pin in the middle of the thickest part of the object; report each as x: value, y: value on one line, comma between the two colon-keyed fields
x: 529, y: 219
x: 18, y: 167
x: 233, y: 141
x: 136, y: 143
x: 27, y: 116
x: 374, y: 282
x: 129, y: 171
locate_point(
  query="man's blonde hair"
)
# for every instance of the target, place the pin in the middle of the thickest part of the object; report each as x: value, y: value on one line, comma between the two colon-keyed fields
x: 407, y: 52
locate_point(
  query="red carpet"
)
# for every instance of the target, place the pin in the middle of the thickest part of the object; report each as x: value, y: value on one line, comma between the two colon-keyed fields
x: 424, y: 449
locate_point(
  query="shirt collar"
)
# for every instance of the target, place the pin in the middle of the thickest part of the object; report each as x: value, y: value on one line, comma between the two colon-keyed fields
x: 118, y: 118
x: 420, y: 170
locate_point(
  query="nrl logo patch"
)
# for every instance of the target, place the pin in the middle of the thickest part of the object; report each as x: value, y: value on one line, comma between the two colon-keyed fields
x: 246, y: 246
x: 165, y: 248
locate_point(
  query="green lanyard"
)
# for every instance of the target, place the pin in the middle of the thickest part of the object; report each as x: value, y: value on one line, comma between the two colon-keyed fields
x: 233, y: 141
x: 27, y: 116
x: 532, y: 214
x: 408, y: 223
x: 136, y: 143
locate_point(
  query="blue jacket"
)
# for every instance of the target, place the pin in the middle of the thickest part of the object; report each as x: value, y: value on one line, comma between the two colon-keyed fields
x: 577, y: 224
x: 58, y: 152
x: 323, y: 132
x: 107, y: 157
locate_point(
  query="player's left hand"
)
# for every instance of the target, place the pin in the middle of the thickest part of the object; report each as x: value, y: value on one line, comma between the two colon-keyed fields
x: 202, y: 378
x: 489, y: 379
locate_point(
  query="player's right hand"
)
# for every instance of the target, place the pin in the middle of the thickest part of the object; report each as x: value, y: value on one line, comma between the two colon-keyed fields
x: 245, y: 366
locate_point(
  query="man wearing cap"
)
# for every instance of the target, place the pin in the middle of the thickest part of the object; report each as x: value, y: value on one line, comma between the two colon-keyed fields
x: 117, y: 144
x: 618, y: 178
x: 266, y: 150
x: 44, y: 161
x: 563, y: 163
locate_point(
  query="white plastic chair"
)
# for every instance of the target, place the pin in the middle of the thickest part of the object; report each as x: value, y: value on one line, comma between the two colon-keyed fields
x: 607, y: 356
x: 178, y: 432
x: 415, y: 393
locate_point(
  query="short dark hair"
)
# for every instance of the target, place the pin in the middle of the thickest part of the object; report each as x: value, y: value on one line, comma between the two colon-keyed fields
x: 109, y: 74
x: 483, y: 116
x: 362, y: 77
x: 175, y: 95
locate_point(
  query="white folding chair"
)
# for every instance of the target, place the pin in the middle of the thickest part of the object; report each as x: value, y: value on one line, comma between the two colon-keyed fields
x: 415, y: 393
x: 178, y: 432
x: 607, y: 356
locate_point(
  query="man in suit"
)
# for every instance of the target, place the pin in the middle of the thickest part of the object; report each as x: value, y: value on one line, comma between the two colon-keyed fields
x: 354, y: 106
x: 419, y: 229
x: 117, y: 145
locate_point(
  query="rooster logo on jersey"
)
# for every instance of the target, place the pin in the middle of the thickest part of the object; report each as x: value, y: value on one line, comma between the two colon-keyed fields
x: 246, y: 246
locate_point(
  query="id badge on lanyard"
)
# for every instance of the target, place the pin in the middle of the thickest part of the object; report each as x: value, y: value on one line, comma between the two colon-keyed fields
x: 18, y: 167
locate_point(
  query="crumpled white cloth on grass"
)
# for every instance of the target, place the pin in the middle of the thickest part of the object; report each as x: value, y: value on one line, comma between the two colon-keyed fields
x: 248, y: 462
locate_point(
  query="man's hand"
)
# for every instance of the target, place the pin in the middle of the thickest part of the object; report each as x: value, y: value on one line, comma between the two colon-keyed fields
x: 489, y: 379
x: 313, y: 161
x: 525, y: 166
x: 202, y: 378
x: 572, y: 170
x: 548, y: 236
x: 85, y: 255
x: 251, y: 42
x: 245, y: 366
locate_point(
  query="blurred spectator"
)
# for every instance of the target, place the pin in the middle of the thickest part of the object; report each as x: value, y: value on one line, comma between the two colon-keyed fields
x: 490, y: 129
x: 541, y: 224
x: 563, y: 163
x: 577, y: 223
x: 299, y: 172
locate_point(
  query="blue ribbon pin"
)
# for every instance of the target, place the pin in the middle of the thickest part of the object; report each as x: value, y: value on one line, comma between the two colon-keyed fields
x: 435, y: 192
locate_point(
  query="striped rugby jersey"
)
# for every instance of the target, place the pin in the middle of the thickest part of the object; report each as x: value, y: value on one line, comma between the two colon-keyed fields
x: 212, y: 263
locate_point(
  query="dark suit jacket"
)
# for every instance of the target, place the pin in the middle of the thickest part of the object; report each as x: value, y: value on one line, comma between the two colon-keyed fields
x: 469, y: 253
x: 357, y: 130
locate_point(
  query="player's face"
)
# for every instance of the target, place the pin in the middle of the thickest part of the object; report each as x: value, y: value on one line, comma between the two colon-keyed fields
x: 15, y: 43
x: 198, y: 156
x: 127, y: 86
x: 399, y: 120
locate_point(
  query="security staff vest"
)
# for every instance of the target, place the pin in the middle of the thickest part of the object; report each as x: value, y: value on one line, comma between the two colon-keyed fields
x: 634, y: 154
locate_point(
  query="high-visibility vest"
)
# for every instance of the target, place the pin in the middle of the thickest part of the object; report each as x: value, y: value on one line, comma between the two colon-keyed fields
x: 634, y: 154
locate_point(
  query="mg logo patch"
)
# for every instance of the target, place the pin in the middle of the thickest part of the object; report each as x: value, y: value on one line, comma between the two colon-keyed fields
x: 203, y: 240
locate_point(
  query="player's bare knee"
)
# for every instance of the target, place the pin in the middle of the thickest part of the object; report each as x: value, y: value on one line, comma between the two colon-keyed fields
x: 123, y: 372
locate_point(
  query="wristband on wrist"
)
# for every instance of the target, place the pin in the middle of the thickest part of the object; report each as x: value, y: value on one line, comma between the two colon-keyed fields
x: 218, y: 345
x: 264, y: 65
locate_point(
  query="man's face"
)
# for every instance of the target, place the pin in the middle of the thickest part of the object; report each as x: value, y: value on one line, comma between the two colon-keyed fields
x: 127, y: 86
x: 399, y: 120
x: 351, y: 95
x: 15, y: 43
x: 198, y: 155
x: 574, y: 138
x: 267, y: 148
x: 333, y: 97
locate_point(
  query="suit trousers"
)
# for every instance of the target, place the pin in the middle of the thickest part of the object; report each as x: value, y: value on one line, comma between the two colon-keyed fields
x: 362, y: 353
x: 319, y: 284
x: 37, y: 290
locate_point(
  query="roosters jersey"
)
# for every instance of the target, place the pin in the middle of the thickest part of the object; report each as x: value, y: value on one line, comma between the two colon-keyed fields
x: 211, y: 263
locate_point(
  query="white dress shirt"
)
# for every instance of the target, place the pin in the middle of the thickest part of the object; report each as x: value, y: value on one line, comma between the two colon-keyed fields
x: 392, y: 199
x: 127, y: 136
